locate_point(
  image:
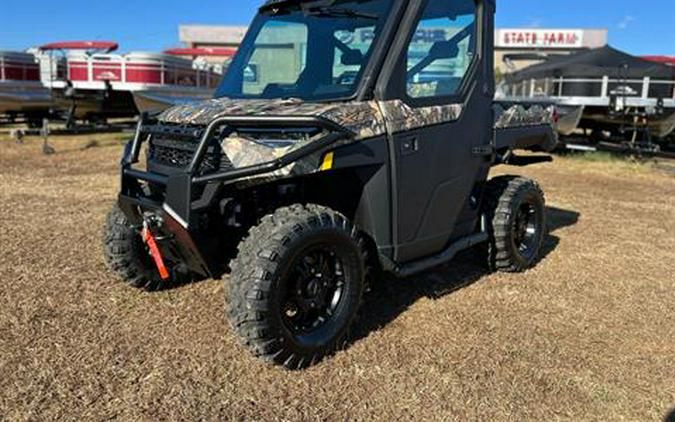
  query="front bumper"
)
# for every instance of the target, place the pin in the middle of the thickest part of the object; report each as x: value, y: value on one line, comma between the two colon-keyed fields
x: 175, y: 241
x: 187, y: 194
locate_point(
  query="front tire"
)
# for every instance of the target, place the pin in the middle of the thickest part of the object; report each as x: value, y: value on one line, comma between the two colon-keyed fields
x: 127, y: 256
x: 516, y: 217
x: 296, y: 285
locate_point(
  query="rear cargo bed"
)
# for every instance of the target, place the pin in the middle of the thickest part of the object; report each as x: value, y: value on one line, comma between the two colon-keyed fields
x: 524, y: 127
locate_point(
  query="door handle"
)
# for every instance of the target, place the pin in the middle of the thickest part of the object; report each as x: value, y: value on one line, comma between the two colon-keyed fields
x: 409, y: 145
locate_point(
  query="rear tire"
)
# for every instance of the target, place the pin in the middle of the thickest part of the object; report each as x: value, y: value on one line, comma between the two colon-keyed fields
x: 516, y: 215
x: 296, y: 285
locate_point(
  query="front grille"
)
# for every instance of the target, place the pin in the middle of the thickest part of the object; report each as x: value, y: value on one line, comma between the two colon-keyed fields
x: 175, y: 149
x: 178, y: 154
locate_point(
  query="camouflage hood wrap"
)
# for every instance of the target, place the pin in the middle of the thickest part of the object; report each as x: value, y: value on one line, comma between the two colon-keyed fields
x: 362, y: 118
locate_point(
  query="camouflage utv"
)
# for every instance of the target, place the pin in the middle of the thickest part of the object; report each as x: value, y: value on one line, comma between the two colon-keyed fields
x: 347, y: 137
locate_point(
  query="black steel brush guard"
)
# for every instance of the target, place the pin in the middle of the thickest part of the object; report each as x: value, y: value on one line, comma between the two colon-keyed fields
x: 193, y: 176
x: 178, y: 204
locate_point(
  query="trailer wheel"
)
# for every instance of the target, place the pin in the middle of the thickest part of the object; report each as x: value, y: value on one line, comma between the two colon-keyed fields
x: 128, y: 257
x: 516, y: 218
x: 296, y: 285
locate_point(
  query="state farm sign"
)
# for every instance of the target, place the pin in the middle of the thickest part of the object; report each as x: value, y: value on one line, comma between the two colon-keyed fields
x: 539, y: 38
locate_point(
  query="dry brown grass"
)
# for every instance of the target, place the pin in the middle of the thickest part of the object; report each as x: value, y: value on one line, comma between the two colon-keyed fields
x: 587, y: 335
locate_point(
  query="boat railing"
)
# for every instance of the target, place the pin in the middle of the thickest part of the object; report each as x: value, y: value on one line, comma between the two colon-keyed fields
x: 604, y: 88
x: 127, y: 71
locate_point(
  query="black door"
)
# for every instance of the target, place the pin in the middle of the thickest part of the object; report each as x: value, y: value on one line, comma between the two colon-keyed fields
x: 446, y: 91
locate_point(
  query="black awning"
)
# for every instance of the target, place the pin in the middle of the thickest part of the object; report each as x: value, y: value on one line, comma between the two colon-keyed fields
x: 596, y: 63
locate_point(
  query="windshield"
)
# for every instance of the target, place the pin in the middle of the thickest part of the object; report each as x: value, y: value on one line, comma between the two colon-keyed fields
x: 307, y: 51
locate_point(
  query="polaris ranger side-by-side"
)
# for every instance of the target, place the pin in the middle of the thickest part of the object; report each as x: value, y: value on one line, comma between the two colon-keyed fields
x: 347, y: 136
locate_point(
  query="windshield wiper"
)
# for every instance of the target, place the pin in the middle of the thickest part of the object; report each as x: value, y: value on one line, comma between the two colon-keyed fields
x: 336, y: 12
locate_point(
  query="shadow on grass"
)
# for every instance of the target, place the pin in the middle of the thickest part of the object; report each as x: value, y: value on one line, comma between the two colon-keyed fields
x: 390, y: 296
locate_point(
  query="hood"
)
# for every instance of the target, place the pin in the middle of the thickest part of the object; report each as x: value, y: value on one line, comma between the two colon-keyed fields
x: 362, y: 118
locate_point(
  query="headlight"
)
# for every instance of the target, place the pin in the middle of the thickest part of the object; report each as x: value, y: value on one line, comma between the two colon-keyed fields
x: 249, y: 148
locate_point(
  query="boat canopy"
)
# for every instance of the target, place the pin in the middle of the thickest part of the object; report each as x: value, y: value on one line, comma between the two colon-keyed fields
x: 596, y: 63
x: 102, y: 46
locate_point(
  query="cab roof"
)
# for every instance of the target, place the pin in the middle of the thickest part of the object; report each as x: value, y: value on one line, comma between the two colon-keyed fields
x: 271, y: 4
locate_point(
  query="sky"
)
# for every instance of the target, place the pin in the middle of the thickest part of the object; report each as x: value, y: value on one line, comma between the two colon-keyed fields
x: 639, y: 27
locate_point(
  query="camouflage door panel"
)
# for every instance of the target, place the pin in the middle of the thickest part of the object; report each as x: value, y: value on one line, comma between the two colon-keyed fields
x: 400, y: 117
